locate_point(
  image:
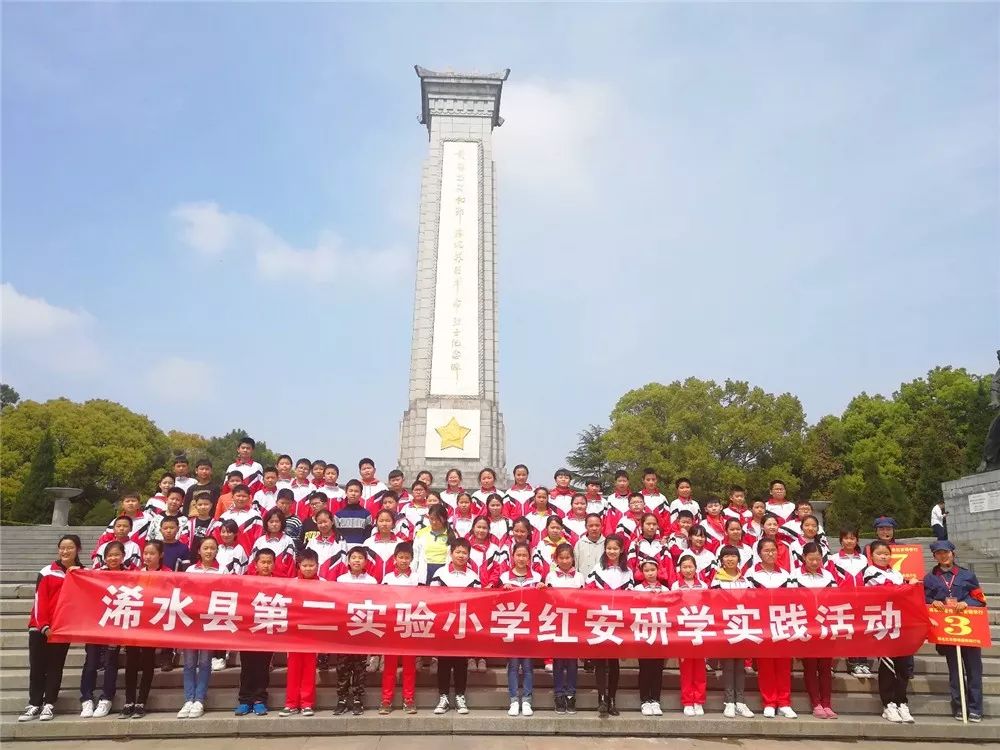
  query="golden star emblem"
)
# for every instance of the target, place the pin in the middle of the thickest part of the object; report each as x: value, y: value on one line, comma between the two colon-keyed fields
x: 453, y: 435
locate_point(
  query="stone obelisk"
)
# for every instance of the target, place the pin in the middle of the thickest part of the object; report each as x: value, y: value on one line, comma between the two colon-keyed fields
x: 454, y: 419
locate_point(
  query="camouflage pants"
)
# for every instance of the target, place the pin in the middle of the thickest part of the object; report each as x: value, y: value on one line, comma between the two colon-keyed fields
x: 351, y: 677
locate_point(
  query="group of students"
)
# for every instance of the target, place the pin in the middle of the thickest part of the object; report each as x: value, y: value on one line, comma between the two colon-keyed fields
x: 269, y: 522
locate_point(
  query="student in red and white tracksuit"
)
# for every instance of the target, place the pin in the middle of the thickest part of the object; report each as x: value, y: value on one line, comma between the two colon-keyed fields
x: 46, y: 660
x: 774, y: 676
x: 649, y: 547
x: 518, y: 498
x: 300, y: 693
x: 651, y: 670
x: 848, y: 566
x: 693, y: 677
x: 401, y: 575
x: 611, y: 574
x: 735, y: 539
x: 817, y: 672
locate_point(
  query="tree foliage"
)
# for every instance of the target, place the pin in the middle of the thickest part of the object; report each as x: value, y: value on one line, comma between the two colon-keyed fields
x: 100, y: 447
x: 33, y: 504
x: 8, y: 396
x: 717, y: 435
x: 881, y: 455
x: 589, y: 458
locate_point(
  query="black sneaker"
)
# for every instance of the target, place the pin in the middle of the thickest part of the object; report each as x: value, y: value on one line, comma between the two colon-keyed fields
x: 602, y: 705
x: 570, y: 704
x: 340, y: 708
x: 140, y: 711
x: 358, y: 708
x: 560, y: 703
x: 612, y: 709
x: 323, y: 662
x: 975, y: 718
x: 127, y: 710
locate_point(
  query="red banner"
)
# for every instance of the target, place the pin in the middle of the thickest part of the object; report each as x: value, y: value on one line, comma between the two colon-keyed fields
x: 276, y: 614
x: 969, y: 627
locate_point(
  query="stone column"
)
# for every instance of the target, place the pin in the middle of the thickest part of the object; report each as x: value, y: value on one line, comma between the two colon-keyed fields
x: 454, y: 419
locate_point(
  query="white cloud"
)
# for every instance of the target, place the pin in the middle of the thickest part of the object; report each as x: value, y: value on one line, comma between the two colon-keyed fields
x: 207, y: 228
x: 180, y: 380
x: 45, y: 335
x: 551, y: 133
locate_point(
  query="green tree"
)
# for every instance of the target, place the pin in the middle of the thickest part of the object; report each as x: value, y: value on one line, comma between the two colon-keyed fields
x: 33, y: 504
x: 858, y: 499
x: 100, y: 447
x: 8, y: 396
x: 715, y: 434
x: 822, y: 462
x: 589, y: 458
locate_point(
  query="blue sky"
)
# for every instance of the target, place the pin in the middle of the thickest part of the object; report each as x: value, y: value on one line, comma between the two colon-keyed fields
x: 210, y: 211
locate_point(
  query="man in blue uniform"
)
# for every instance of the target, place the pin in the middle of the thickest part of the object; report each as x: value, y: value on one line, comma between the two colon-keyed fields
x: 952, y: 586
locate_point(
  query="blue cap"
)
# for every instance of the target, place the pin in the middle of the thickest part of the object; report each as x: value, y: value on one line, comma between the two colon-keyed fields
x: 883, y: 521
x: 942, y: 545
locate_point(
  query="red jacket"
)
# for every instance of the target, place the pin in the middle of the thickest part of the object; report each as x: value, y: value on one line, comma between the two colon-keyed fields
x: 47, y: 588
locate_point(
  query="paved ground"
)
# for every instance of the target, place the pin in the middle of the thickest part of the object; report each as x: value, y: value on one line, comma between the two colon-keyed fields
x: 423, y: 742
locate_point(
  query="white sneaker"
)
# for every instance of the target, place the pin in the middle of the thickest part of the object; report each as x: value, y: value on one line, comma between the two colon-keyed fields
x: 197, y: 709
x: 185, y: 711
x: 657, y: 709
x: 30, y: 713
x: 442, y: 705
x: 86, y: 709
x: 699, y: 710
x: 526, y: 708
x: 646, y: 709
x: 769, y: 712
x: 482, y: 665
x: 689, y: 710
x: 904, y: 713
x: 729, y: 710
x: 891, y: 713
x: 460, y: 704
x: 743, y: 710
x: 103, y: 708
x: 515, y: 707
x: 548, y: 667
x: 218, y: 664
x: 472, y: 665
x: 48, y: 713
x: 787, y: 712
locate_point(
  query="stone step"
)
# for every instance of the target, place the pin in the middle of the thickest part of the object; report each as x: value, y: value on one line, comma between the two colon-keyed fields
x: 497, y: 698
x: 497, y: 723
x: 16, y: 680
x: 17, y: 658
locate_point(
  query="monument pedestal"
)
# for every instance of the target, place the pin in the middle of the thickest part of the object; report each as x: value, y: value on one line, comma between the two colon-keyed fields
x: 973, y: 505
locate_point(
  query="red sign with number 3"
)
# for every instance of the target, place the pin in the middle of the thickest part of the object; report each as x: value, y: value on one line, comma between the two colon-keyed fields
x: 970, y: 627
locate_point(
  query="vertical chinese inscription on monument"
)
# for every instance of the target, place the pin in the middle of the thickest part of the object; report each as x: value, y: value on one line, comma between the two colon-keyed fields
x: 455, y: 351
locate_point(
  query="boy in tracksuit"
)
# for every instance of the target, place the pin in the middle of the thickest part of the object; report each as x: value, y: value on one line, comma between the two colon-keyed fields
x: 948, y: 585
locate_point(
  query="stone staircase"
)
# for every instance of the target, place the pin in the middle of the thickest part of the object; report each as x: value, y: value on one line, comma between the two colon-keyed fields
x: 24, y: 550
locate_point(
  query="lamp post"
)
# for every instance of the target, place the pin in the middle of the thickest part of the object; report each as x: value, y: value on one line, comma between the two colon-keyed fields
x: 63, y: 497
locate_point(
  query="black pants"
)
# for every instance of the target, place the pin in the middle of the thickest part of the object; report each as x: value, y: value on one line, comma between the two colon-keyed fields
x: 138, y: 659
x: 97, y: 656
x: 46, y: 661
x: 449, y: 666
x: 893, y: 678
x: 650, y: 680
x: 607, y: 677
x: 255, y: 676
x: 351, y: 677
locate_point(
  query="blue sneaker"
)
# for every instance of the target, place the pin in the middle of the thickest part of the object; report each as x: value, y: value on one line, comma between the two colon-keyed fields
x: 243, y: 709
x: 260, y: 709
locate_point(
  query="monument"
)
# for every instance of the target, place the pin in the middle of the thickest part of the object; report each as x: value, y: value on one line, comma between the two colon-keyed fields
x: 454, y: 419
